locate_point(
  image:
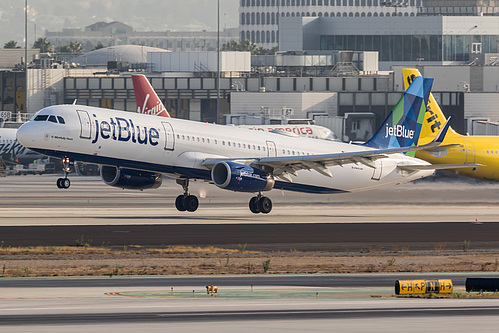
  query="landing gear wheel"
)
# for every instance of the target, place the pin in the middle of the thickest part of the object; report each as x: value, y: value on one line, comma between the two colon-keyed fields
x: 186, y: 202
x: 179, y: 203
x: 191, y: 203
x: 253, y: 205
x: 63, y: 183
x: 265, y: 205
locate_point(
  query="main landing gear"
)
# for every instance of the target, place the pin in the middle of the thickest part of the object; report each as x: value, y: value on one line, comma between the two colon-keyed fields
x: 186, y: 202
x: 260, y: 204
x: 64, y: 182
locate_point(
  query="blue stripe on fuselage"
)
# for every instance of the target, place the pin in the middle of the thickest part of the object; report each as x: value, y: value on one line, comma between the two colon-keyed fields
x: 174, y: 170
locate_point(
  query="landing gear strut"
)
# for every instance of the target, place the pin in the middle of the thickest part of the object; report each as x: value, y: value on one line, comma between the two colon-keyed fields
x: 260, y: 204
x: 64, y: 183
x: 186, y: 202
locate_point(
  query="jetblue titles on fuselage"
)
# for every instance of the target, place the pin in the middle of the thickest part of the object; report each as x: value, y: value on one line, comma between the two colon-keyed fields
x: 121, y: 129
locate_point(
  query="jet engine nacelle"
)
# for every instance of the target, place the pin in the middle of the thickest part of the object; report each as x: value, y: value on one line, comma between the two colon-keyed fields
x: 129, y: 178
x: 239, y: 177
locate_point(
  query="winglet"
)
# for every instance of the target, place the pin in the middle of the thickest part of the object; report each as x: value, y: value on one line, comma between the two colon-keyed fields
x: 441, y: 134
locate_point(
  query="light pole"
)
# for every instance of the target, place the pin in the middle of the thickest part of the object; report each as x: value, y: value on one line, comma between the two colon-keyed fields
x: 25, y: 57
x: 218, y: 62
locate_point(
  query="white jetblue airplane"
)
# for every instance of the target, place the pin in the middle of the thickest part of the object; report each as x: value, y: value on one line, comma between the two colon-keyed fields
x: 148, y: 102
x: 134, y: 150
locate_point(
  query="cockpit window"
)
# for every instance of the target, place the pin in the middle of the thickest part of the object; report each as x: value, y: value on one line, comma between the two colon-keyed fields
x: 52, y: 119
x: 41, y: 117
x: 61, y: 120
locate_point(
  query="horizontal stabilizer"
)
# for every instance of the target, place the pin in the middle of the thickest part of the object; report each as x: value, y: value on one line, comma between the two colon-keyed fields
x: 437, y: 166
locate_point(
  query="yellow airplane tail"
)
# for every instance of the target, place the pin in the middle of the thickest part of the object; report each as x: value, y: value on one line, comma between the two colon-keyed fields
x: 434, y: 117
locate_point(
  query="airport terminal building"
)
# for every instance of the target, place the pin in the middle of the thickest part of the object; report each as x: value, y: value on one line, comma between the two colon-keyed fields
x: 432, y: 40
x: 325, y: 66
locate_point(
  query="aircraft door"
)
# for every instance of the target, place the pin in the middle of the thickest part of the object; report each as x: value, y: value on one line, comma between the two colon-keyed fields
x: 470, y: 151
x: 169, y: 135
x: 85, y: 130
x: 271, y: 149
x: 378, y: 170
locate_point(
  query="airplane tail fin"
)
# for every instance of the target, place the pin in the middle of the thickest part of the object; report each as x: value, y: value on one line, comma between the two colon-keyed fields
x: 146, y: 98
x: 434, y: 117
x: 402, y: 127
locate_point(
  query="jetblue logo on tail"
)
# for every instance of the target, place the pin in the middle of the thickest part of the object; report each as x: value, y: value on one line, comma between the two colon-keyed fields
x: 399, y: 131
x: 403, y: 125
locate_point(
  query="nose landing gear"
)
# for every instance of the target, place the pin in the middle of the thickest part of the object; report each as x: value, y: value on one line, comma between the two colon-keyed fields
x: 64, y: 183
x: 260, y: 204
x: 186, y: 201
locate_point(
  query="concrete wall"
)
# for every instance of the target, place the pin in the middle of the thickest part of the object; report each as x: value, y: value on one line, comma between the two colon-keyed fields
x: 199, y: 61
x: 38, y: 97
x: 481, y: 105
x: 302, y: 103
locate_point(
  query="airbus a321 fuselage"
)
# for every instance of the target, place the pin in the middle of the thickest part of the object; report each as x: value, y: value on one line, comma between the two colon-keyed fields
x: 136, y: 149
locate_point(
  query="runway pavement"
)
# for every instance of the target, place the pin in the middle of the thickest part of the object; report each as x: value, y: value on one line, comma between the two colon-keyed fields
x: 419, y: 214
x: 33, y: 211
x: 128, y: 305
x: 35, y: 200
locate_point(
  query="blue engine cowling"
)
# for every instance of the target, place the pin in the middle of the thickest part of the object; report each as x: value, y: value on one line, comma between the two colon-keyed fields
x: 239, y: 177
x: 129, y: 178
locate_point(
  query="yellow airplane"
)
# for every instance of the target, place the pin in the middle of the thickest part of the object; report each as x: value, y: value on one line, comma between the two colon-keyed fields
x: 460, y: 149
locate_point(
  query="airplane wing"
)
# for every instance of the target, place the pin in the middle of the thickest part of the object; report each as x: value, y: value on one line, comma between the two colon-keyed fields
x: 283, y: 166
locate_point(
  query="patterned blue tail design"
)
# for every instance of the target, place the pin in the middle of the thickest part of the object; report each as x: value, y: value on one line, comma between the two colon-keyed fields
x: 403, y: 125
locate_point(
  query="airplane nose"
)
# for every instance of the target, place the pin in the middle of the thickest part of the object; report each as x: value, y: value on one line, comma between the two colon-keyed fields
x: 25, y: 134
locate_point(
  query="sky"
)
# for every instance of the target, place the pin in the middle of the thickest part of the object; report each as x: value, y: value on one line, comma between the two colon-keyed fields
x: 142, y: 15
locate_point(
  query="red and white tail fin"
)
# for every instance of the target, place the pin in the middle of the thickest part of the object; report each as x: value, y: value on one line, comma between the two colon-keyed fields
x: 146, y: 98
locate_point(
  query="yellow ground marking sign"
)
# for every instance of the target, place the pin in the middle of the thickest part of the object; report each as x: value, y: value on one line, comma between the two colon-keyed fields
x: 406, y: 287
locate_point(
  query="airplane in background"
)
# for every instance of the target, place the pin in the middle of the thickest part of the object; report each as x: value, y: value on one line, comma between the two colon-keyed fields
x: 12, y: 151
x: 460, y: 149
x: 134, y: 150
x: 148, y: 102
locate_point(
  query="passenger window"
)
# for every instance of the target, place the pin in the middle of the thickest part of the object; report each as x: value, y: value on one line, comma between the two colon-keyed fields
x: 258, y: 147
x: 178, y: 136
x: 228, y: 143
x: 239, y: 145
x: 203, y: 140
x: 52, y: 119
x: 208, y: 140
x: 41, y: 117
x: 183, y: 137
x: 216, y: 141
x: 61, y: 120
x: 223, y: 143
